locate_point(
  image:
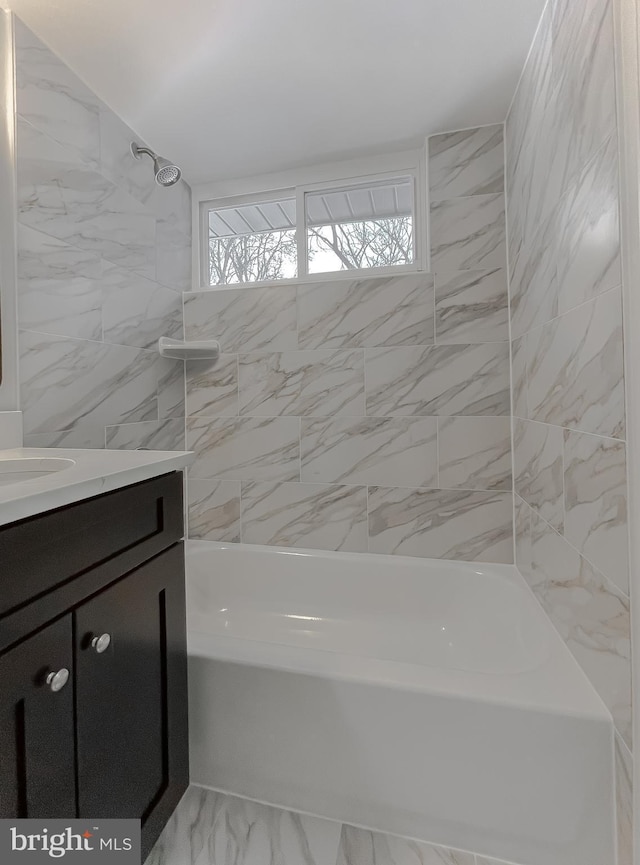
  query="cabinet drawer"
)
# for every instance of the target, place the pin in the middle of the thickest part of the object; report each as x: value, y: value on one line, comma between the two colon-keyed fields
x: 42, y: 553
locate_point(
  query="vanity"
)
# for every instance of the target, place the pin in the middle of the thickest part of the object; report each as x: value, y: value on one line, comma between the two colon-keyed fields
x: 93, y: 663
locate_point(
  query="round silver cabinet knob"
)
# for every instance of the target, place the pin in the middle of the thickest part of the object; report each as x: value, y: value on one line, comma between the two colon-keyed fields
x: 101, y: 643
x: 57, y: 681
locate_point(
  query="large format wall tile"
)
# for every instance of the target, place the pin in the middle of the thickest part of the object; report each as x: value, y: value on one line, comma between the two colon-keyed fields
x: 624, y: 802
x: 474, y: 453
x: 588, y: 244
x: 575, y: 369
x: 519, y: 377
x: 362, y: 847
x: 137, y: 311
x: 472, y: 306
x: 53, y: 99
x: 442, y: 524
x: 261, y: 449
x: 164, y: 435
x: 68, y: 382
x: 302, y: 383
x: 212, y: 389
x: 58, y: 287
x: 590, y: 614
x: 470, y: 162
x: 468, y: 233
x: 595, y: 487
x: 395, y: 310
x: 320, y: 516
x: 438, y: 380
x: 534, y: 288
x: 214, y: 510
x: 243, y: 319
x: 584, y: 75
x: 538, y: 462
x: 382, y: 451
x: 59, y: 197
x: 92, y: 226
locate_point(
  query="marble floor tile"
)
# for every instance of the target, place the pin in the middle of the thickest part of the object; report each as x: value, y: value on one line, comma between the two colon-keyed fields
x: 539, y: 467
x: 595, y: 503
x: 381, y: 451
x: 214, y: 510
x: 247, y: 833
x: 591, y: 615
x: 212, y: 389
x: 53, y: 99
x: 252, y: 449
x: 438, y: 380
x: 243, y: 319
x: 58, y: 287
x: 164, y: 435
x: 316, y: 516
x: 575, y: 369
x: 67, y: 383
x: 474, y: 453
x: 470, y: 162
x: 472, y: 306
x: 468, y: 233
x: 394, y: 310
x: 362, y: 847
x: 441, y: 524
x: 189, y: 828
x: 326, y: 383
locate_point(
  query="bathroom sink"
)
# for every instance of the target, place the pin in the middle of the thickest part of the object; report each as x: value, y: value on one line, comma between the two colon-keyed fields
x: 16, y: 471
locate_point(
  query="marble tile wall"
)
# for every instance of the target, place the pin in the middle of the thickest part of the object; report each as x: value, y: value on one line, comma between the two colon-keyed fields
x: 210, y: 828
x: 103, y: 258
x: 367, y: 414
x: 567, y: 353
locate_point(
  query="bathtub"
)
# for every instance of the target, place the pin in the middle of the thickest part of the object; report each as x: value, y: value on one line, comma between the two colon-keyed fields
x: 424, y: 698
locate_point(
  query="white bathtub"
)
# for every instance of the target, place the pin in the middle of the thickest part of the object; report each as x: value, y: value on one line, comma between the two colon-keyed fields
x: 423, y: 698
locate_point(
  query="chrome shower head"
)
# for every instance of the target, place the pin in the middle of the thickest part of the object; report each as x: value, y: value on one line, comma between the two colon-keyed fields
x: 165, y: 171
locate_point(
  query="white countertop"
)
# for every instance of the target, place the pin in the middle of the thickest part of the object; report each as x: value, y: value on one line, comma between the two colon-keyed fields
x: 94, y: 472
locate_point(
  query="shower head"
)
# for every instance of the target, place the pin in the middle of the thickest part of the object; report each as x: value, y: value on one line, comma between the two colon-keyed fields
x: 165, y: 171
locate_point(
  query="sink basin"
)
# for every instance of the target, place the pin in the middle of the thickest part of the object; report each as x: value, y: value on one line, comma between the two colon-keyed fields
x: 17, y: 471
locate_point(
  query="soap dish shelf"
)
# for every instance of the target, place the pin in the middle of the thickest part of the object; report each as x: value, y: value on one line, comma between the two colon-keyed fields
x: 195, y: 350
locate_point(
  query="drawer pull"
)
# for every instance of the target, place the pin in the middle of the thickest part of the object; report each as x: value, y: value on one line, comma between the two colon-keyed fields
x: 57, y: 681
x: 101, y: 643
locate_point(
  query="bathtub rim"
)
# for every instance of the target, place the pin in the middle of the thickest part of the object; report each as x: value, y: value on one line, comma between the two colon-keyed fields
x: 557, y: 685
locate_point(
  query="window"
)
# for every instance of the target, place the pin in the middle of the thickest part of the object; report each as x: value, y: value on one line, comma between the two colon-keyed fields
x: 320, y: 229
x: 253, y: 242
x: 360, y: 227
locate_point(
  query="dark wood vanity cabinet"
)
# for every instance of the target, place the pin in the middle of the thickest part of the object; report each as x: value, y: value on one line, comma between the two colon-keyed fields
x: 93, y: 678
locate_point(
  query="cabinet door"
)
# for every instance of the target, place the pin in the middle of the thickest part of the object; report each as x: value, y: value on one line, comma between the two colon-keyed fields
x: 37, y: 772
x: 131, y: 693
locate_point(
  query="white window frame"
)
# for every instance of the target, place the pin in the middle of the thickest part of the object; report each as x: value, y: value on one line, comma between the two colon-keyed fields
x: 322, y: 178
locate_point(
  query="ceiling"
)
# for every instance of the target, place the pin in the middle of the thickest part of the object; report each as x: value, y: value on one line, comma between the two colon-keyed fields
x: 232, y: 88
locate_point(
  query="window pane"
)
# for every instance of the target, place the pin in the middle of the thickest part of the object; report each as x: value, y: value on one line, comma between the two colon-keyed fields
x: 253, y: 242
x: 360, y: 226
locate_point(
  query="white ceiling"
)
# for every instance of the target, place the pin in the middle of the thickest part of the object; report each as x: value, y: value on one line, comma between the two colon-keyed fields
x: 230, y: 88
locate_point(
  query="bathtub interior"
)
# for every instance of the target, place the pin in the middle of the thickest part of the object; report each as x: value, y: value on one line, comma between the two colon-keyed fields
x: 436, y: 613
x: 332, y: 689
